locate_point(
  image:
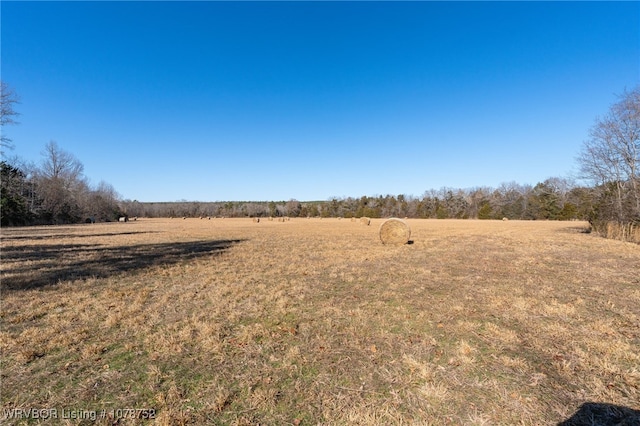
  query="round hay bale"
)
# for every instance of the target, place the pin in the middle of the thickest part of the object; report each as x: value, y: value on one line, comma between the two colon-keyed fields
x: 394, y: 231
x: 365, y: 221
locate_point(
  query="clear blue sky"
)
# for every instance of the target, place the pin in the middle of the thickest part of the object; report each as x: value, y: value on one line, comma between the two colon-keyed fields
x: 277, y: 100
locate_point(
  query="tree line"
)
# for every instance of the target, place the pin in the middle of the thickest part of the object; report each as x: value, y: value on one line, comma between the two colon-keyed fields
x: 56, y: 190
x: 553, y: 199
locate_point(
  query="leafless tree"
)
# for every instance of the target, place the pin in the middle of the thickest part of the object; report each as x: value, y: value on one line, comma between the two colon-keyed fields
x: 8, y: 98
x: 102, y: 203
x: 61, y: 184
x: 293, y: 207
x: 60, y: 164
x: 610, y: 158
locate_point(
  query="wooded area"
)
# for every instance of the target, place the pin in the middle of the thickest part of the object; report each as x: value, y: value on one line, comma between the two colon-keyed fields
x: 55, y: 192
x: 553, y: 199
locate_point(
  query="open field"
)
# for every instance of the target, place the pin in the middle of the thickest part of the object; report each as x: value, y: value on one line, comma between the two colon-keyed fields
x: 227, y: 321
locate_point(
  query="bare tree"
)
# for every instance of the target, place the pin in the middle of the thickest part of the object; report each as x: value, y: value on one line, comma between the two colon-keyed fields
x: 610, y: 158
x: 293, y: 207
x: 8, y: 99
x: 102, y: 203
x: 61, y: 184
x: 60, y: 164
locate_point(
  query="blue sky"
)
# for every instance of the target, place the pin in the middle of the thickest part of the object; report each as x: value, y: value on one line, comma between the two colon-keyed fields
x: 214, y: 101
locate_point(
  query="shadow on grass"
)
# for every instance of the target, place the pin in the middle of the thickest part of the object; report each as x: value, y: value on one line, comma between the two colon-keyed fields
x: 50, y: 236
x: 601, y: 414
x: 27, y: 267
x: 585, y: 229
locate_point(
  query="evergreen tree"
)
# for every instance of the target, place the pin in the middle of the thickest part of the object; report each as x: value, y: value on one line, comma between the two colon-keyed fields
x: 14, y: 202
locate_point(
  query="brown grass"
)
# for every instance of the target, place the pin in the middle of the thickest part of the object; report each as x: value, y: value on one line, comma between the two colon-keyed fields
x: 316, y: 322
x: 624, y: 232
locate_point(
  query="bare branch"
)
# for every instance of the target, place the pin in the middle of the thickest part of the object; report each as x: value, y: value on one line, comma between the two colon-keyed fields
x: 8, y: 98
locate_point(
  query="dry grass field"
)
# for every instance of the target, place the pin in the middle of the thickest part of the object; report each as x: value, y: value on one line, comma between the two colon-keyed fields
x: 231, y: 322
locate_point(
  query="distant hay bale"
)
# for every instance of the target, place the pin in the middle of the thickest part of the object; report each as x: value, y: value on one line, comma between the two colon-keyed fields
x: 504, y: 219
x: 256, y: 220
x: 365, y: 221
x: 353, y: 219
x: 394, y: 231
